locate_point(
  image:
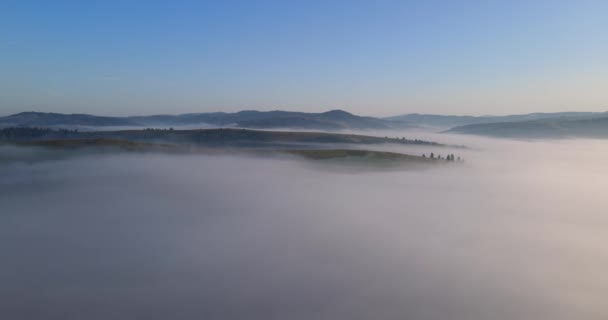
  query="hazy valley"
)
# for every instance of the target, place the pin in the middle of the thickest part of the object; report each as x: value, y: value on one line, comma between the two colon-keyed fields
x: 237, y: 235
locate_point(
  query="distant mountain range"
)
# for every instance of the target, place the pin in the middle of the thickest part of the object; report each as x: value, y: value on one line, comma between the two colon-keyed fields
x: 331, y: 120
x: 533, y: 125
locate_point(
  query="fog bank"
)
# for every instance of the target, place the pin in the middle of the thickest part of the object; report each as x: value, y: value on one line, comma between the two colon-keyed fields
x: 517, y: 232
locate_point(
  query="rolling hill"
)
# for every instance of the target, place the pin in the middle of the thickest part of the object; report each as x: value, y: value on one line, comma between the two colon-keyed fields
x: 64, y: 149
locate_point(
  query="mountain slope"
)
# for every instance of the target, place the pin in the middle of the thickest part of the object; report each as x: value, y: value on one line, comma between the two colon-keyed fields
x: 447, y: 121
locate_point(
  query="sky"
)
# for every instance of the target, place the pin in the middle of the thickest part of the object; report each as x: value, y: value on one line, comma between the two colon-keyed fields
x: 376, y: 58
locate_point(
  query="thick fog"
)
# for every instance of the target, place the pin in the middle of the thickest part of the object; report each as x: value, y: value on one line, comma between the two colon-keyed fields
x: 518, y: 231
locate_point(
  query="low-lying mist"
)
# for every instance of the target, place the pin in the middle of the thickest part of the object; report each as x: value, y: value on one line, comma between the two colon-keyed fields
x: 518, y: 231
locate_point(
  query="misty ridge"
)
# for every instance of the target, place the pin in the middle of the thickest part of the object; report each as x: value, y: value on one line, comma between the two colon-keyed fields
x: 515, y: 232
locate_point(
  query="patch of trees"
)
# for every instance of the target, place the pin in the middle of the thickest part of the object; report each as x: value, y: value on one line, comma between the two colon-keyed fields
x: 158, y: 129
x: 449, y: 157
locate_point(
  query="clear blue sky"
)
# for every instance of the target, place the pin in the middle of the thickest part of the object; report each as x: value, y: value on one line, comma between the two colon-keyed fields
x: 368, y: 57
